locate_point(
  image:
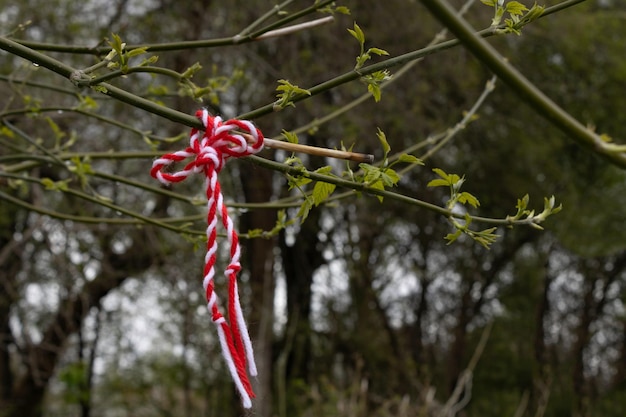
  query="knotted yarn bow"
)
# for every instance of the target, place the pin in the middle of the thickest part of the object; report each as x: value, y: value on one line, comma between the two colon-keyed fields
x: 210, y: 152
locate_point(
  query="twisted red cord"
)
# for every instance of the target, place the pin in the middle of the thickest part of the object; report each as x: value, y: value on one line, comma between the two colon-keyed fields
x: 210, y: 151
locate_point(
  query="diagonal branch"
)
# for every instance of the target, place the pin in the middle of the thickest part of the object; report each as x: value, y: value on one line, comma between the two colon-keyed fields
x: 533, y: 96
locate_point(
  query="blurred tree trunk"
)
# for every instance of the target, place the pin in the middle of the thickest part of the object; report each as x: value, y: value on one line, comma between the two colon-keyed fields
x: 40, y: 359
x: 599, y: 275
x: 376, y: 342
x: 10, y: 264
x: 620, y: 372
x: 541, y: 385
x: 259, y: 260
x: 300, y: 261
x: 85, y: 397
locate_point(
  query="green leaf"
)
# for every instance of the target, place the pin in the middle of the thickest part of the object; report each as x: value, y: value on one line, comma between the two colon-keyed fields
x: 137, y: 51
x: 489, y: 2
x: 368, y: 167
x: 389, y: 177
x: 149, y: 61
x: 116, y: 44
x: 294, y: 161
x: 374, y: 90
x: 361, y: 60
x: 324, y: 170
x: 287, y: 92
x: 446, y: 179
x: 372, y: 173
x: 55, y: 185
x: 382, y: 138
x: 451, y: 237
x: 87, y: 103
x: 357, y: 33
x: 485, y: 237
x: 298, y: 182
x: 289, y: 136
x: 441, y: 173
x: 522, y: 203
x: 533, y: 14
x: 321, y: 192
x: 304, y: 210
x: 378, y: 185
x: 438, y: 183
x: 515, y: 8
x: 5, y: 131
x: 468, y: 198
x: 189, y: 72
x: 99, y: 89
x: 378, y: 51
x: 410, y: 159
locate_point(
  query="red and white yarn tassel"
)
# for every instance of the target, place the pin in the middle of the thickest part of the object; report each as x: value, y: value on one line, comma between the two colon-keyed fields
x: 211, y: 150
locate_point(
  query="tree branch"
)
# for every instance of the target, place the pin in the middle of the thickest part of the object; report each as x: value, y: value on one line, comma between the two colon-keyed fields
x: 533, y: 96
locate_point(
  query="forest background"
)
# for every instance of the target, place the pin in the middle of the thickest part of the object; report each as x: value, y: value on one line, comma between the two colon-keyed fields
x: 364, y: 308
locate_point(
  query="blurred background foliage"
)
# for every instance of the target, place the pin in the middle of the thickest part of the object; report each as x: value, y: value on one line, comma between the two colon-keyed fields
x: 363, y: 310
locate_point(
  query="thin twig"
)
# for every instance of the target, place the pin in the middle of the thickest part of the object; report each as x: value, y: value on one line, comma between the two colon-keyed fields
x: 464, y: 382
x: 295, y: 28
x: 263, y: 18
x: 523, y: 404
x: 317, y: 151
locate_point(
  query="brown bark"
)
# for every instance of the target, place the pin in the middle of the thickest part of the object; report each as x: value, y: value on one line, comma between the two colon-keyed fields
x: 10, y: 265
x: 300, y: 261
x: 540, y: 392
x: 259, y: 260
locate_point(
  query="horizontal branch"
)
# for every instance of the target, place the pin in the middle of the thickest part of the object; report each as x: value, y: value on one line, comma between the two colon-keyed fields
x: 367, y: 189
x: 241, y: 38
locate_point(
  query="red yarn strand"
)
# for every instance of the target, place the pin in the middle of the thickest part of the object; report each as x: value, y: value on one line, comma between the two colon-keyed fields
x: 210, y: 151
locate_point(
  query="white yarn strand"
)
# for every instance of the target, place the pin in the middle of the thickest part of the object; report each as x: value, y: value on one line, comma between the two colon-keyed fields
x: 247, y: 402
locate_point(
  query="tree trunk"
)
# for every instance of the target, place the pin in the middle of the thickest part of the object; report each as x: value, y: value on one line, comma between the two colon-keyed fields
x: 259, y: 261
x: 300, y: 261
x: 541, y: 384
x: 10, y: 264
x: 41, y: 358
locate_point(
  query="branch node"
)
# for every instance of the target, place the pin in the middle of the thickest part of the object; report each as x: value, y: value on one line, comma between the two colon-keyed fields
x: 79, y: 78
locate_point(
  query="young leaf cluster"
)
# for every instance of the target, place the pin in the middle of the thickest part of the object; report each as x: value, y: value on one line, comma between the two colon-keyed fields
x: 321, y: 190
x: 454, y: 182
x: 374, y: 79
x: 286, y: 94
x: 333, y: 8
x: 483, y: 237
x: 523, y: 213
x: 519, y: 15
x: 384, y: 176
x: 118, y: 49
x: 282, y: 222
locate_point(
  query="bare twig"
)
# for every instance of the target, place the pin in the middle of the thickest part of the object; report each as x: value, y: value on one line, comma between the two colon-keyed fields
x: 523, y: 404
x: 314, y: 150
x: 295, y: 28
x: 464, y: 383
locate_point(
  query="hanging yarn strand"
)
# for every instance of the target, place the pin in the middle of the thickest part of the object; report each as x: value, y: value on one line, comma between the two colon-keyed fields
x: 220, y: 141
